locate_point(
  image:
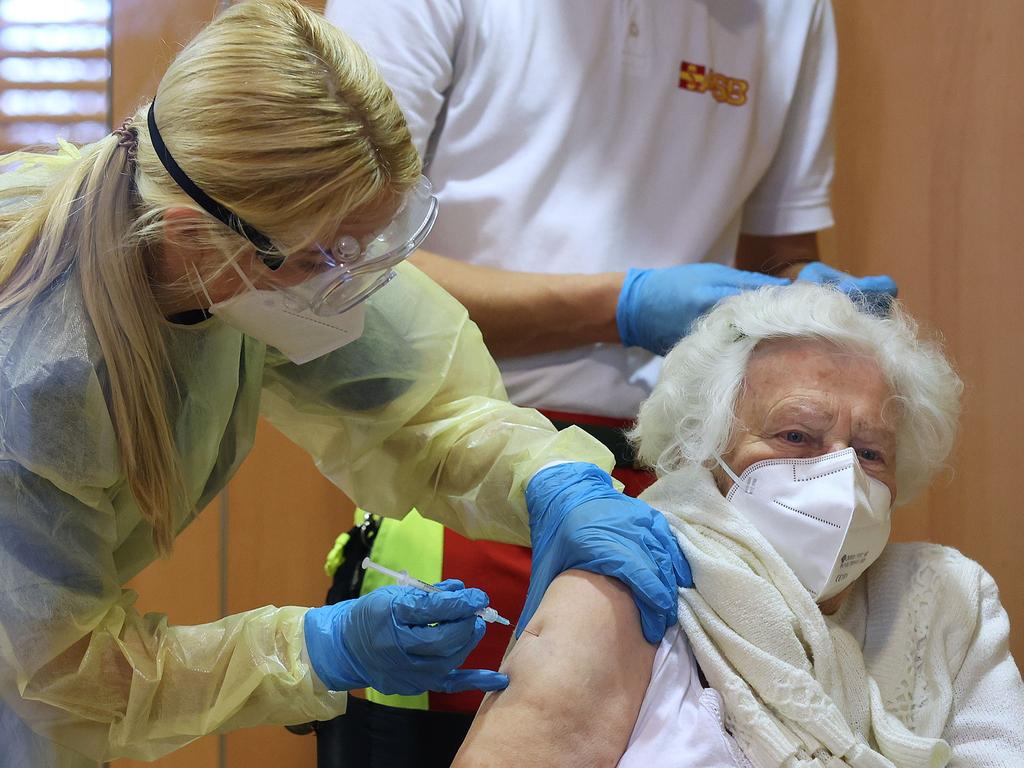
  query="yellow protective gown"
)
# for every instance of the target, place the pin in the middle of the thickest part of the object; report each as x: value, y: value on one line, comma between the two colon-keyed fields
x: 413, y: 414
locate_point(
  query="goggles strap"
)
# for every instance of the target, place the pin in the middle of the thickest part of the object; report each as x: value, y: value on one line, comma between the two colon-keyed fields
x: 262, y: 243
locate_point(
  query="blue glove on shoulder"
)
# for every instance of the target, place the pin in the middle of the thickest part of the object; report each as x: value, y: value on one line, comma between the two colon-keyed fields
x: 401, y: 640
x: 657, y: 306
x: 875, y: 292
x: 578, y: 520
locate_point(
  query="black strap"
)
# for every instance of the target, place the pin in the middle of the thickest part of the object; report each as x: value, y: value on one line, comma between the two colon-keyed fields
x: 348, y: 579
x: 612, y: 438
x: 270, y: 255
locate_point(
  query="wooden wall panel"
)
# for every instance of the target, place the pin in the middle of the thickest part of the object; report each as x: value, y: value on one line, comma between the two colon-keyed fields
x: 930, y: 178
x: 145, y: 37
x: 284, y: 516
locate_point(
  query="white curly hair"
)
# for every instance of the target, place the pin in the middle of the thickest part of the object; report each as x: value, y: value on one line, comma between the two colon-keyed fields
x: 690, y: 415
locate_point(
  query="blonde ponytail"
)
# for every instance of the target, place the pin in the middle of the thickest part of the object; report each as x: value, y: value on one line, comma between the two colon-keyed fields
x: 119, y: 299
x: 273, y: 113
x: 85, y: 221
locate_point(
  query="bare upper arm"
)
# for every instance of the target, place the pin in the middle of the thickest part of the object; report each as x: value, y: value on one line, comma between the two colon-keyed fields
x: 578, y: 675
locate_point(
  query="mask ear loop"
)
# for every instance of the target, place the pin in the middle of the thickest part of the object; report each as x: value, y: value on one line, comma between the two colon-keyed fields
x: 199, y: 280
x: 245, y: 277
x: 725, y: 467
x: 202, y: 285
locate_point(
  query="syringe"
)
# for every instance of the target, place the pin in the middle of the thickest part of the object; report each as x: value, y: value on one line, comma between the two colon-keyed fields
x: 402, y: 577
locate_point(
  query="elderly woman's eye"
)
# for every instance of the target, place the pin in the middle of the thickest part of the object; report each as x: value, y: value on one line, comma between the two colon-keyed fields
x: 794, y: 437
x: 870, y: 454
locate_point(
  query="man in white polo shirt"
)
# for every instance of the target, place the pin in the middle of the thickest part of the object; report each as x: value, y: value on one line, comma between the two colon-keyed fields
x: 606, y: 170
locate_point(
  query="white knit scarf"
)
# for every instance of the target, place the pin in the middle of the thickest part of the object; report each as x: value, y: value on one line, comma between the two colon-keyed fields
x: 794, y: 684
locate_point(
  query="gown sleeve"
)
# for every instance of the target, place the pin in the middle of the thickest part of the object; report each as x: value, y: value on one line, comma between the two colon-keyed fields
x: 82, y: 668
x: 414, y: 414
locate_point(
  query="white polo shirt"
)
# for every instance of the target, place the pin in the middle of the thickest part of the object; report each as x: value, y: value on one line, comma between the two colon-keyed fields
x: 569, y: 136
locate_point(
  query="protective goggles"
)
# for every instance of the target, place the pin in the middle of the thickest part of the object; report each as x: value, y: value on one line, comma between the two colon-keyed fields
x: 327, y: 280
x: 332, y: 280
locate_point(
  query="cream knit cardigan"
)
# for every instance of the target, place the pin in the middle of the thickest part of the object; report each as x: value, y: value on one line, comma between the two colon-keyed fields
x: 914, y: 671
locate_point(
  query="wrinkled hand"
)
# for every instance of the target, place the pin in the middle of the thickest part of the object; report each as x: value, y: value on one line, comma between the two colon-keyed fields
x: 657, y: 306
x: 401, y: 640
x: 578, y: 520
x: 875, y: 292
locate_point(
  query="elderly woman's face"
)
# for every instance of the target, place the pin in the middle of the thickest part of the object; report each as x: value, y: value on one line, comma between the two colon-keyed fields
x: 805, y: 398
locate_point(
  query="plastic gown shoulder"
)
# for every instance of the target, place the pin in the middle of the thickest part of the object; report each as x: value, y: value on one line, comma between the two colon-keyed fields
x: 414, y: 414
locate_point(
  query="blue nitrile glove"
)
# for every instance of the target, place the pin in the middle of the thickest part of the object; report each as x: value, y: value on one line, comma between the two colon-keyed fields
x: 578, y: 520
x: 657, y: 306
x: 385, y: 639
x: 875, y: 293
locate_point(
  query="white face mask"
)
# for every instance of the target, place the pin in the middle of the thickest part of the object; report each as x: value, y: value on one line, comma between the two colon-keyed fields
x: 824, y: 516
x: 299, y: 334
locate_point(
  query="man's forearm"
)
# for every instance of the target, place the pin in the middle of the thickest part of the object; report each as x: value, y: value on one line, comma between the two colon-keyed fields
x: 524, y: 313
x: 780, y: 255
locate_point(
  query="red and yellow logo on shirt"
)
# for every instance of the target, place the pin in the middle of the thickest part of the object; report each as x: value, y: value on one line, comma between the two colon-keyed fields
x: 724, y: 89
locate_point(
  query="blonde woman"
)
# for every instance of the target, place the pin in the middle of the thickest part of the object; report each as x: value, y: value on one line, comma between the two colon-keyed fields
x: 231, y: 250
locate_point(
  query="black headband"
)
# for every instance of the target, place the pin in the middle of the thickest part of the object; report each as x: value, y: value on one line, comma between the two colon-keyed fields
x: 265, y: 248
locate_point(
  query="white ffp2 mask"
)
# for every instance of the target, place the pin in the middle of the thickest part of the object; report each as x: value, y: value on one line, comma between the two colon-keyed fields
x: 824, y: 516
x: 299, y: 334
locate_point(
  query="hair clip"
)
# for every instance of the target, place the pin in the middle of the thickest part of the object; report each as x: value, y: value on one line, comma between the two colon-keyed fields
x: 128, y: 138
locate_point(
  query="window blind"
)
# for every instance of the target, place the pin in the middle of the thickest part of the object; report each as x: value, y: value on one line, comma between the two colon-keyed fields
x: 54, y: 71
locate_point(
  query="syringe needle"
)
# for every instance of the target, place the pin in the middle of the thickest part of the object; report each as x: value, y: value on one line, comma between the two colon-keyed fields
x: 487, y: 614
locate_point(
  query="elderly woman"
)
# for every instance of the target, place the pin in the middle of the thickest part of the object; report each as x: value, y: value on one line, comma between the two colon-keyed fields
x: 784, y: 430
